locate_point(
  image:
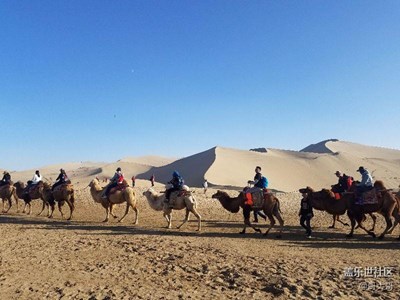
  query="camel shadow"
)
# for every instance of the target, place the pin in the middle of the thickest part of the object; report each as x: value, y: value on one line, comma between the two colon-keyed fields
x: 293, y: 236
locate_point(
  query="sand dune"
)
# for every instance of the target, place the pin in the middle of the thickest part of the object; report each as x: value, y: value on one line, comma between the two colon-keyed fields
x: 286, y: 170
x: 149, y: 160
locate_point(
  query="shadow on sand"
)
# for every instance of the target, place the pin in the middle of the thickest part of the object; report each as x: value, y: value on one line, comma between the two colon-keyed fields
x: 293, y: 236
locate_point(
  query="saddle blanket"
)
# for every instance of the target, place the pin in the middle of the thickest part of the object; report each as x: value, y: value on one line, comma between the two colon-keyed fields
x: 120, y: 187
x: 369, y: 197
x: 256, y: 199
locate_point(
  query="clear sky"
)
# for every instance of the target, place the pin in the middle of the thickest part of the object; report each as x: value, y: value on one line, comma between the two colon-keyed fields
x: 101, y: 80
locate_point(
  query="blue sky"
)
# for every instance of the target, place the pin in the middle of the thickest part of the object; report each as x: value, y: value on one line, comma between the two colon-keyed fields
x: 101, y: 80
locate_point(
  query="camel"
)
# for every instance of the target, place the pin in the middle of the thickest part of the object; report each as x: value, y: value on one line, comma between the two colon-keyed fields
x: 41, y: 191
x: 64, y: 193
x: 186, y: 201
x: 127, y: 195
x: 335, y: 207
x: 271, y: 208
x: 385, y: 206
x: 6, y: 193
x: 396, y: 212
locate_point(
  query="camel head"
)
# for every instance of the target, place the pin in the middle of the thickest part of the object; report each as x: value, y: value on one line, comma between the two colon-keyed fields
x: 220, y: 194
x: 94, y: 183
x: 149, y: 192
x: 306, y: 190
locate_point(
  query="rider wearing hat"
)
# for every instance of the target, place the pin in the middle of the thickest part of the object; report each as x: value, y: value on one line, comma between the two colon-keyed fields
x: 117, y: 179
x: 61, y: 179
x: 6, y: 179
x: 177, y: 184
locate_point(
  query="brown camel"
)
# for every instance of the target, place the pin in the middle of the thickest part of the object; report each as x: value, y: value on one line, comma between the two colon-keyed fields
x: 385, y: 206
x: 177, y: 202
x: 271, y: 208
x: 65, y: 193
x: 40, y: 191
x: 127, y: 195
x: 396, y: 211
x: 325, y: 201
x: 6, y: 193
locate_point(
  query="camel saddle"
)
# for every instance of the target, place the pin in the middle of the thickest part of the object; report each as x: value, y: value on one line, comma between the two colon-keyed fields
x: 67, y: 186
x: 34, y: 187
x: 178, y: 194
x: 119, y: 188
x: 256, y: 198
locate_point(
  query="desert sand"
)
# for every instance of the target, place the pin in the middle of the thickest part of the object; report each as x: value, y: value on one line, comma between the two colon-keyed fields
x: 43, y: 258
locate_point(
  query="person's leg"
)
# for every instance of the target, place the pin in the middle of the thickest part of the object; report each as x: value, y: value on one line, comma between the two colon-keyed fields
x: 261, y: 214
x: 109, y: 187
x: 255, y: 216
x: 308, y: 224
x: 302, y: 222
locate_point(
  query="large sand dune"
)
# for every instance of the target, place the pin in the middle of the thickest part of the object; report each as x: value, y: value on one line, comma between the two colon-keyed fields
x: 286, y: 170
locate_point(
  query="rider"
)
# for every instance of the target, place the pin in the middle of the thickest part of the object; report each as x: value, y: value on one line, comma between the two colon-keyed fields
x: 177, y: 184
x: 117, y: 179
x: 6, y: 179
x: 259, y: 182
x: 366, y: 183
x: 61, y: 179
x: 35, y: 180
x: 341, y: 186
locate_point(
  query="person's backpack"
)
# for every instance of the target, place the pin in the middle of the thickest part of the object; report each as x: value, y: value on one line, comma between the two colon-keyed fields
x: 263, y: 182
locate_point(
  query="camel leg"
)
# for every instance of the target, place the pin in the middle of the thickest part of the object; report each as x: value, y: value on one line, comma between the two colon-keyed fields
x: 43, y: 207
x: 341, y: 222
x: 271, y: 223
x: 60, y: 204
x: 107, y: 215
x: 248, y: 223
x: 281, y: 223
x: 334, y: 221
x: 9, y: 204
x: 198, y: 216
x: 168, y: 216
x: 185, y: 219
x: 71, y: 209
x: 360, y: 225
x: 373, y: 222
x: 30, y: 208
x: 388, y: 226
x: 51, y: 208
x: 112, y: 205
x: 136, y: 215
x: 126, y: 212
x: 353, y: 224
x: 4, y: 209
x: 17, y: 202
x: 396, y: 222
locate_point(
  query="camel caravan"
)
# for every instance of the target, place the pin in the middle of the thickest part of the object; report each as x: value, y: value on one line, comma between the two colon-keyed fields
x: 356, y: 199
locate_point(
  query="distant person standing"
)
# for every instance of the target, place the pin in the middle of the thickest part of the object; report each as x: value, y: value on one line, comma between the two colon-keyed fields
x: 133, y: 181
x: 205, y: 185
x: 152, y: 179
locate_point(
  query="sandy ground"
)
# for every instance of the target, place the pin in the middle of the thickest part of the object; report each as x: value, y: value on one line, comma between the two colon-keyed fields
x: 86, y: 259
